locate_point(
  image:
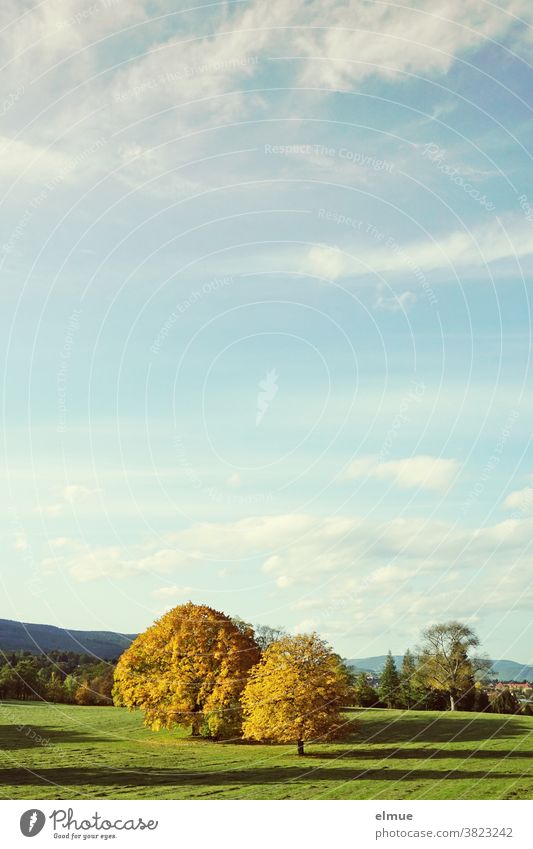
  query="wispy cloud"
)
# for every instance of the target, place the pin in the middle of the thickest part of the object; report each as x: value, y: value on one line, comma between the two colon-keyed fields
x: 369, y: 573
x: 510, y: 239
x: 419, y: 472
x: 52, y: 51
x: 520, y: 500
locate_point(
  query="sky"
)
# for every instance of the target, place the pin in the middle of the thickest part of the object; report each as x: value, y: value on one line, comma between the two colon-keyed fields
x: 265, y: 316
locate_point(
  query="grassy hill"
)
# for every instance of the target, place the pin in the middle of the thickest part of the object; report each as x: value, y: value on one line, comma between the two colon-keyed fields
x: 67, y: 752
x: 40, y: 639
x: 504, y: 670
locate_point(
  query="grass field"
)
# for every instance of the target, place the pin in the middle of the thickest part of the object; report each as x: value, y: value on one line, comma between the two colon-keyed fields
x: 64, y: 752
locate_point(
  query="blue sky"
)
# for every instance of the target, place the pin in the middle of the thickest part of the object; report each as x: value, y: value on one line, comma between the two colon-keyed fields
x: 266, y: 319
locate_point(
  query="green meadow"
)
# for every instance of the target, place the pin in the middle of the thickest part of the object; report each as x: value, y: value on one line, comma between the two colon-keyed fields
x: 69, y: 752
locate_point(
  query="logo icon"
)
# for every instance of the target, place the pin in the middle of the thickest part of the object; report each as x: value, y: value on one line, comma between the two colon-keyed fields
x: 32, y: 822
x: 268, y: 389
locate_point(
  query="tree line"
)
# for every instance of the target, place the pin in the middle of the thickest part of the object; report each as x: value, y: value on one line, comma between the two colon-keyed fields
x: 445, y: 674
x: 59, y: 676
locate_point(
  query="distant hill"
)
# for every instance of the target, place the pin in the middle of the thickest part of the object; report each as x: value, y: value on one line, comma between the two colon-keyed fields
x: 504, y: 670
x: 373, y: 664
x: 509, y: 670
x: 39, y: 639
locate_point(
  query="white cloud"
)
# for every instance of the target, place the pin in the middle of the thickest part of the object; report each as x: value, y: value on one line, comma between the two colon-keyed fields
x: 234, y: 480
x: 50, y: 509
x: 163, y: 560
x: 327, y: 262
x: 365, y: 576
x: 507, y: 239
x: 60, y: 542
x: 76, y: 492
x: 305, y: 546
x: 85, y: 563
x: 58, y: 52
x: 486, y: 244
x: 283, y: 581
x: 395, y: 303
x: 18, y: 157
x: 210, y: 543
x: 21, y: 542
x: 419, y: 472
x: 387, y: 40
x: 306, y: 626
x: 520, y: 499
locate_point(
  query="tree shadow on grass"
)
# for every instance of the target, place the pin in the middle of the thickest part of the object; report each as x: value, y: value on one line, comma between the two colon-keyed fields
x: 91, y: 777
x: 400, y: 753
x: 33, y: 736
x: 444, y: 728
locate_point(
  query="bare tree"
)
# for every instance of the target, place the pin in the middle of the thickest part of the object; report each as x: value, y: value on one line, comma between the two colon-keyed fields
x: 265, y: 635
x: 445, y: 660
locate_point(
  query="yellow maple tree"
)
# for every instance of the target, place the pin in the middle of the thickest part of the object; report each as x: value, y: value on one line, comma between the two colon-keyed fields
x: 188, y: 669
x: 296, y: 692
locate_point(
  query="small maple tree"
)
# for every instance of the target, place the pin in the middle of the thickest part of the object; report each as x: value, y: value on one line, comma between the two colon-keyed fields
x: 188, y: 669
x: 296, y: 692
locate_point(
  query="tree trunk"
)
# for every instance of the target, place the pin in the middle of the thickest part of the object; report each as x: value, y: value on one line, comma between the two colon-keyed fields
x: 196, y: 723
x: 452, y: 702
x: 300, y: 745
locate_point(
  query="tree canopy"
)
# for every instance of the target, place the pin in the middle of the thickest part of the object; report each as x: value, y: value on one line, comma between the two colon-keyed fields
x: 364, y: 693
x: 446, y: 662
x: 408, y: 681
x: 59, y: 676
x: 389, y: 685
x: 505, y: 702
x: 296, y: 692
x: 188, y: 669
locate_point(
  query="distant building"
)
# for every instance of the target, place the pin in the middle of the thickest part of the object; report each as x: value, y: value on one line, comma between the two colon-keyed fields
x: 515, y: 686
